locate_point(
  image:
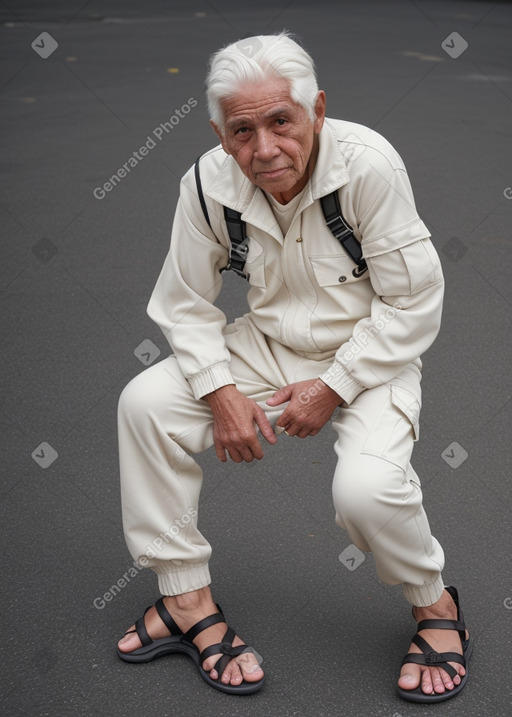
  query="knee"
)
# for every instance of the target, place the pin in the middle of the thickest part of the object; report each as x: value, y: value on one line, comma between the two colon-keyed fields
x: 146, y: 394
x: 133, y: 398
x: 364, y: 484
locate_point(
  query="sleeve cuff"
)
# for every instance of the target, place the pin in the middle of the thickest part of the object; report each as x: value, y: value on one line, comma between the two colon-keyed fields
x: 210, y: 379
x: 337, y: 378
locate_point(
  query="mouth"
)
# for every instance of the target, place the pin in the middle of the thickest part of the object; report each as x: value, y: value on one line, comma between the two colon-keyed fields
x: 273, y: 174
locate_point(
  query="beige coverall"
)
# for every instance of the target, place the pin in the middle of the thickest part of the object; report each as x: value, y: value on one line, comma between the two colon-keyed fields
x: 308, y: 317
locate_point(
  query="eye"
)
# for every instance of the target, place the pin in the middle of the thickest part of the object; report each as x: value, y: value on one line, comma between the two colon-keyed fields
x: 281, y: 122
x: 242, y: 130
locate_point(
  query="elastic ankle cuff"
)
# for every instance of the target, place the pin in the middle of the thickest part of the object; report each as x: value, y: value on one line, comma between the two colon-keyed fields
x: 424, y: 595
x: 174, y: 580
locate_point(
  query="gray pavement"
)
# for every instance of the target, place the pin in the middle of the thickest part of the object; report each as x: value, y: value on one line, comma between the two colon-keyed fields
x: 75, y: 277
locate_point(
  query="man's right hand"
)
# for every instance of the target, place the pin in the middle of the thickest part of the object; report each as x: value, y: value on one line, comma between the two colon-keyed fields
x: 235, y: 418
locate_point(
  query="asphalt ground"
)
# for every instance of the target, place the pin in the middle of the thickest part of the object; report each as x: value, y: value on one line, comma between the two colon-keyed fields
x: 76, y: 273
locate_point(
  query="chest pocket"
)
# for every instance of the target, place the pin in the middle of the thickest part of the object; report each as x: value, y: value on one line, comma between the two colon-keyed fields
x: 334, y: 270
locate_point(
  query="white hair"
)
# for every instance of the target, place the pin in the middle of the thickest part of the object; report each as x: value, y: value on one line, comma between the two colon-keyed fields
x: 256, y: 59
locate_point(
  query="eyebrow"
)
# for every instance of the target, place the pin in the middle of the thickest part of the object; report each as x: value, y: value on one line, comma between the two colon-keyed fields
x: 242, y: 121
x: 285, y: 109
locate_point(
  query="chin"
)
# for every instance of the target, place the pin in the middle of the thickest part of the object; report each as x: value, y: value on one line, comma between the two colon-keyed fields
x: 277, y: 186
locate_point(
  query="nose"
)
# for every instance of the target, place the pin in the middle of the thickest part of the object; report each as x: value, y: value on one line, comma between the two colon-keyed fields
x: 266, y: 147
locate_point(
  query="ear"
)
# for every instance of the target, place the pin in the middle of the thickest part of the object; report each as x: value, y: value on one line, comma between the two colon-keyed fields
x: 220, y: 135
x: 319, y: 111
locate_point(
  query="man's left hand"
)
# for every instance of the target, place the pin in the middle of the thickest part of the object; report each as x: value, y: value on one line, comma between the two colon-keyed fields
x: 311, y: 404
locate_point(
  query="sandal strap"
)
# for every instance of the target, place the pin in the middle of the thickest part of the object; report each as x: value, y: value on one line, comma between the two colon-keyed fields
x: 429, y: 657
x: 227, y: 650
x: 436, y: 659
x: 442, y: 625
x: 223, y: 661
x: 166, y: 618
x: 163, y: 613
x: 203, y: 625
x: 140, y: 629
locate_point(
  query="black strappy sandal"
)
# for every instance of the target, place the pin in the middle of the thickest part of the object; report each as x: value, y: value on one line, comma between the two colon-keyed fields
x: 180, y: 642
x: 429, y: 657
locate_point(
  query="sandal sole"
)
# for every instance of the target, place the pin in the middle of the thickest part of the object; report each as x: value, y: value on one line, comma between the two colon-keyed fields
x: 417, y: 695
x: 168, y: 646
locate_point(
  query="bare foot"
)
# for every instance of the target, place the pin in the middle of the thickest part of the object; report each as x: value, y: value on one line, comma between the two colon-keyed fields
x: 187, y: 610
x: 434, y: 680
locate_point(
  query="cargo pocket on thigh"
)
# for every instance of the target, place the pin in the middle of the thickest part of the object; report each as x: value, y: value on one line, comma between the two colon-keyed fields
x: 394, y: 429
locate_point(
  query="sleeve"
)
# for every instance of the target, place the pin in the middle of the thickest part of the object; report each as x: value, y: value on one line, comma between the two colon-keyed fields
x: 182, y: 300
x: 406, y: 275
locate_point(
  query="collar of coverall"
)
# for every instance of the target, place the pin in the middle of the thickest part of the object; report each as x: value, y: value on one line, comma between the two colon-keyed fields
x: 233, y: 189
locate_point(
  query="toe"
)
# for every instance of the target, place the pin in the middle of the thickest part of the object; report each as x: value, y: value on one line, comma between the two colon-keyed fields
x: 245, y: 667
x: 129, y: 642
x: 250, y: 667
x: 232, y: 674
x: 410, y: 676
x: 427, y: 682
x: 447, y: 682
x: 433, y: 680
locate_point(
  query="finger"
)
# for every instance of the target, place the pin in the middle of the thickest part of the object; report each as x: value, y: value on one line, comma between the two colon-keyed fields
x: 280, y: 396
x: 235, y: 455
x: 246, y: 450
x: 252, y: 451
x: 286, y: 418
x: 264, y: 425
x: 221, y: 453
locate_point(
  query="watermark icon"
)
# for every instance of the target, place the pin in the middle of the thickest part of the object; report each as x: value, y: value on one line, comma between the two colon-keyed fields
x: 508, y: 603
x: 507, y: 192
x: 44, y: 455
x: 355, y: 345
x: 454, y: 45
x: 249, y: 46
x: 454, y: 249
x: 454, y: 455
x: 44, y: 249
x: 352, y: 557
x: 147, y: 352
x: 44, y: 45
x: 151, y: 551
x: 163, y: 129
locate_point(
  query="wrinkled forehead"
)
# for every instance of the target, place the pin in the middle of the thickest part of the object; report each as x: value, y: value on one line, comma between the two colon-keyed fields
x: 260, y: 101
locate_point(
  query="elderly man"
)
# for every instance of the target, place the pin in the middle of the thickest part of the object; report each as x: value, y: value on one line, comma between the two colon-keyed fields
x: 289, y: 198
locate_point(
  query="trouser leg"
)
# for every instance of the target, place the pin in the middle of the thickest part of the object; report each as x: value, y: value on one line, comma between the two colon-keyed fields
x: 377, y: 494
x: 161, y: 425
x: 159, y: 420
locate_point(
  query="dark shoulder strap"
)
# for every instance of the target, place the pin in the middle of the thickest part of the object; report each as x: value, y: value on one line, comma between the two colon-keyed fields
x: 200, y: 192
x: 239, y: 242
x: 236, y: 230
x: 343, y: 231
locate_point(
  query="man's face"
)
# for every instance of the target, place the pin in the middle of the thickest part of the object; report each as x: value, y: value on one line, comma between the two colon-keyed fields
x: 271, y: 138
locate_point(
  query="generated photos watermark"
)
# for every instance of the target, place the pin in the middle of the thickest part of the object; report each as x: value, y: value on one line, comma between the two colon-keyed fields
x: 45, y: 45
x: 454, y: 455
x: 44, y: 454
x: 352, y: 557
x: 152, y: 551
x: 355, y: 345
x: 158, y: 134
x: 454, y: 45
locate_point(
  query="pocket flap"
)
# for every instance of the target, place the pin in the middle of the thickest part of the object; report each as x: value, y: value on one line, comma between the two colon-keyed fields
x: 333, y: 270
x: 409, y: 405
